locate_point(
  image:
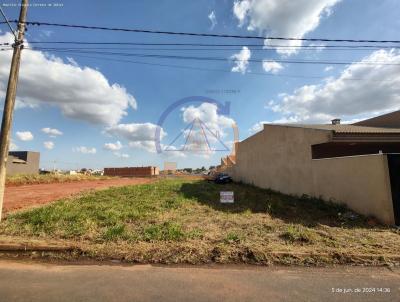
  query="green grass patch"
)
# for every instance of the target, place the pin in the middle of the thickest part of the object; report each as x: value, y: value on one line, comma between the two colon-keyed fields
x: 296, y: 233
x: 183, y: 221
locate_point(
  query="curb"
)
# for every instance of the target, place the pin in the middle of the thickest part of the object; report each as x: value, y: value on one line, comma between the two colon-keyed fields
x: 15, y: 248
x: 338, y: 255
x: 35, y: 248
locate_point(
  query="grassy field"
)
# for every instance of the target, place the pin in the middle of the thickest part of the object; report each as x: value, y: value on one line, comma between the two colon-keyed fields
x: 26, y: 179
x: 182, y: 221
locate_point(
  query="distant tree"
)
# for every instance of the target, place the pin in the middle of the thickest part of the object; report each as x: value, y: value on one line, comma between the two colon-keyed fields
x: 203, y: 169
x: 211, y: 168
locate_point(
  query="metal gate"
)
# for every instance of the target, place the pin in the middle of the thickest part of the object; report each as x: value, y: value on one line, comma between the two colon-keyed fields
x: 394, y: 172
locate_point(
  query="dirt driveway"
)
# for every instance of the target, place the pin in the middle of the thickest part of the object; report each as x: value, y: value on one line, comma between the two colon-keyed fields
x: 18, y: 197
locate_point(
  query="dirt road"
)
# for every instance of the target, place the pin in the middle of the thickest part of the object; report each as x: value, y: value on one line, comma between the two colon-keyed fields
x: 49, y: 282
x: 19, y: 197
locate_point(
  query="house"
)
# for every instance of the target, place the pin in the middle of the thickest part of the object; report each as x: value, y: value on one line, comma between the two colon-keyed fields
x: 353, y: 164
x: 22, y: 162
x: 132, y: 171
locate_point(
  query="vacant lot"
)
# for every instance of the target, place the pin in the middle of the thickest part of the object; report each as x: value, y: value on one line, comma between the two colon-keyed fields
x: 28, y: 195
x: 30, y: 179
x: 182, y: 221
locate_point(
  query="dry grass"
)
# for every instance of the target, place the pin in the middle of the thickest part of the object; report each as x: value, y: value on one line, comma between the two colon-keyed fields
x: 29, y: 179
x: 182, y: 221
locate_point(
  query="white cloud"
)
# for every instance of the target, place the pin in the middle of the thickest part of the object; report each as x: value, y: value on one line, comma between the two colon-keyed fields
x: 113, y: 146
x: 213, y: 19
x: 48, y: 145
x: 283, y: 18
x: 240, y: 10
x: 52, y: 132
x: 359, y: 89
x: 147, y: 145
x: 13, y: 146
x: 272, y: 66
x: 121, y: 155
x: 208, y: 114
x: 173, y: 152
x: 24, y: 135
x: 241, y: 60
x: 80, y: 92
x: 84, y: 150
x: 46, y: 33
x: 260, y: 125
x: 318, y: 47
x: 138, y: 135
x: 328, y: 68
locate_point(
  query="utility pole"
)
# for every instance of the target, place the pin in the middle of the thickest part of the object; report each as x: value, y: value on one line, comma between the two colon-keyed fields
x: 10, y: 99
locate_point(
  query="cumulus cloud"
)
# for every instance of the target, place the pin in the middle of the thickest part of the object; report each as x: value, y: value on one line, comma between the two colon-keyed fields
x: 283, y: 18
x: 272, y: 66
x: 24, y: 135
x: 138, y: 135
x: 52, y: 132
x: 360, y: 89
x: 148, y: 145
x: 213, y: 19
x: 48, y: 145
x: 173, y: 152
x: 84, y: 150
x: 241, y: 60
x: 328, y: 68
x: 113, y: 146
x: 208, y: 114
x: 80, y: 92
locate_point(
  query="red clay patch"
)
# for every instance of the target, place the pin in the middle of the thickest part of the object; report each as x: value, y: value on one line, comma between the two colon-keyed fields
x: 19, y: 197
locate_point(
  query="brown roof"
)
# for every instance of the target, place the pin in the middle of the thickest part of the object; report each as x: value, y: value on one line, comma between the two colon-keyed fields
x: 389, y: 120
x: 352, y: 133
x: 345, y: 128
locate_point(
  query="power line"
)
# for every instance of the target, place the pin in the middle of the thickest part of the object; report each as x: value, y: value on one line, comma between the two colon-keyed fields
x: 39, y: 23
x: 208, y: 69
x: 211, y: 49
x: 8, y: 23
x: 197, y: 58
x: 270, y: 46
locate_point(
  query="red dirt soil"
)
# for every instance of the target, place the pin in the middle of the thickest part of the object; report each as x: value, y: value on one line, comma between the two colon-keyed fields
x: 19, y: 197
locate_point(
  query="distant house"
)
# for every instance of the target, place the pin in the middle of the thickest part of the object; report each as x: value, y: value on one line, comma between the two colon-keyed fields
x: 23, y: 162
x: 354, y: 164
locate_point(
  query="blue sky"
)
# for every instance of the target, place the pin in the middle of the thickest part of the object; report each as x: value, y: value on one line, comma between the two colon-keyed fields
x: 113, y: 107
